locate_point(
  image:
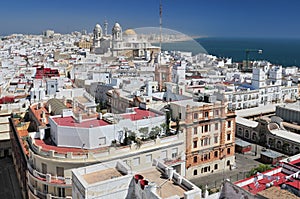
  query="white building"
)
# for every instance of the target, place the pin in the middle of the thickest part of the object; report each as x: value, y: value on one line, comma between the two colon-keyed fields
x: 117, y: 180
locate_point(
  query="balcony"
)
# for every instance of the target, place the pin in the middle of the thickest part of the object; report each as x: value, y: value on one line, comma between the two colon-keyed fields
x: 38, y: 194
x: 174, y: 161
x: 102, y: 153
x: 49, y: 179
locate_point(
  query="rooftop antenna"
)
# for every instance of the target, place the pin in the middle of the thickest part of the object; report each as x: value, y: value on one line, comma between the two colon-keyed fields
x: 160, y: 39
x: 160, y: 24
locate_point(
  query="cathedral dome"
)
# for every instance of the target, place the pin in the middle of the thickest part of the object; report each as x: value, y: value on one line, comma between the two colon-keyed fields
x: 129, y: 32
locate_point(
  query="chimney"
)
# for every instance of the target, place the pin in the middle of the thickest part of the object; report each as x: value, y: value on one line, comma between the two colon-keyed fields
x: 43, y: 114
x: 49, y: 108
x: 99, y: 116
x: 170, y: 172
x: 79, y: 120
x: 64, y: 100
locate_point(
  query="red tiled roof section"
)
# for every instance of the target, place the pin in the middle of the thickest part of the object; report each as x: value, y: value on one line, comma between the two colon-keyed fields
x: 139, y: 114
x: 70, y: 121
x: 63, y: 150
x: 262, y: 183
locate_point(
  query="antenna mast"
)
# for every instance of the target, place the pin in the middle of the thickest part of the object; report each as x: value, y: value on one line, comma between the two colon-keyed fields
x: 160, y: 24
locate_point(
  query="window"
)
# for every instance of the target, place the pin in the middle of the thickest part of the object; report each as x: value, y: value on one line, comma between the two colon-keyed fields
x: 278, y: 145
x: 216, y: 154
x: 195, y: 172
x: 229, y: 124
x: 216, y: 112
x: 195, y: 130
x: 45, y: 188
x: 195, y: 116
x: 205, y: 141
x: 174, y: 153
x: 206, y: 128
x: 247, y: 134
x: 60, y: 171
x: 228, y: 150
x: 216, y: 139
x: 149, y: 158
x: 163, y: 155
x: 228, y: 163
x: 206, y: 114
x: 228, y: 136
x: 195, y: 159
x: 254, y: 137
x: 195, y: 144
x: 206, y: 169
x: 61, y: 192
x: 216, y: 166
x: 206, y: 156
x: 216, y: 126
x: 179, y: 116
x: 102, y: 141
x: 240, y: 131
x: 44, y: 168
x: 136, y: 161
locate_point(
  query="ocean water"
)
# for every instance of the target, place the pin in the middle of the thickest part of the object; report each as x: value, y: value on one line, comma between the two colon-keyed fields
x: 285, y: 52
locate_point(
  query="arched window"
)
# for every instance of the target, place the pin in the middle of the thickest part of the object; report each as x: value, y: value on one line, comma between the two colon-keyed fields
x: 271, y: 142
x: 216, y: 154
x: 216, y: 166
x: 240, y: 131
x: 195, y: 159
x: 228, y: 163
x: 228, y: 150
x: 247, y: 134
x: 297, y: 150
x: 254, y: 136
x: 195, y: 172
x: 278, y: 145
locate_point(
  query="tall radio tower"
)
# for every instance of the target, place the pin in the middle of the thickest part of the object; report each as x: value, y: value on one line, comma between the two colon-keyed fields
x: 160, y: 24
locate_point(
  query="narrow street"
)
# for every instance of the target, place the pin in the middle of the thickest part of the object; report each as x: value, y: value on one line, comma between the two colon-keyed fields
x: 9, y: 187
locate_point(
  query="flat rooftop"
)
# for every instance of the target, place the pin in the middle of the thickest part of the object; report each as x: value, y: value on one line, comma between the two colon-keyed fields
x: 71, y: 122
x: 190, y: 102
x: 271, y: 154
x: 246, y: 122
x: 292, y: 106
x: 167, y: 189
x: 269, y: 108
x: 242, y: 143
x: 139, y: 114
x: 277, y: 192
x: 286, y: 134
x: 102, y: 175
x: 82, y: 99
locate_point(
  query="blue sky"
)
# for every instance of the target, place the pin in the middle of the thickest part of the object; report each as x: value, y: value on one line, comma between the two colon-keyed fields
x: 214, y: 18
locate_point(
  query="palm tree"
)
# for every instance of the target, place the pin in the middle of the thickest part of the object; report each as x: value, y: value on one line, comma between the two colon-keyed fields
x: 154, y: 132
x: 144, y: 132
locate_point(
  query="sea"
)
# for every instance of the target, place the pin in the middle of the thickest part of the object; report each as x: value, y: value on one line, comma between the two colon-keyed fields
x: 285, y: 52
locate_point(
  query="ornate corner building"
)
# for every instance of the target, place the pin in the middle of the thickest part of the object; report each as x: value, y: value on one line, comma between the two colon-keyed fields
x: 210, y: 136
